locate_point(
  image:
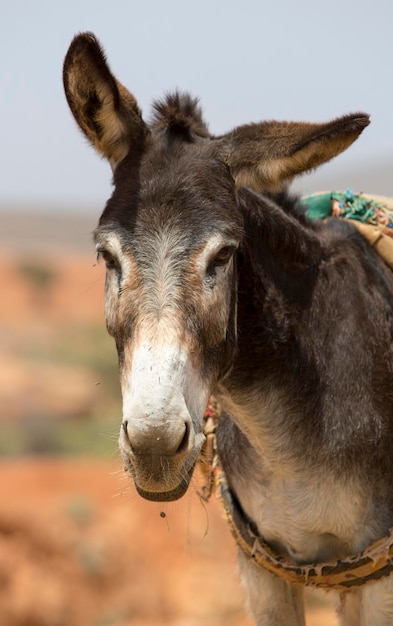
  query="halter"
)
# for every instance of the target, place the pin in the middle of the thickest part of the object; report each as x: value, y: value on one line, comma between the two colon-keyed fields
x: 371, y: 564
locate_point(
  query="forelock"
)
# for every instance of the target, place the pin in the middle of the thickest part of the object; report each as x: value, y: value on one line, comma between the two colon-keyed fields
x: 179, y: 116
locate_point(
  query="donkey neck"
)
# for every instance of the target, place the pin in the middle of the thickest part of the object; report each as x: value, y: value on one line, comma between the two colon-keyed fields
x: 275, y: 290
x: 291, y: 417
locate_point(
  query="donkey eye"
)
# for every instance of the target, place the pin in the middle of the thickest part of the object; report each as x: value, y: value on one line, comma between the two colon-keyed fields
x: 222, y: 257
x: 110, y: 261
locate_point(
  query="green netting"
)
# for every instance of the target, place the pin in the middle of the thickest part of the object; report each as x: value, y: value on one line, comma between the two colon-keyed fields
x: 350, y: 206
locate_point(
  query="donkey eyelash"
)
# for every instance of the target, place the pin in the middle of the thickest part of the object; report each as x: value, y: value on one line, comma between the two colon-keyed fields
x: 220, y: 259
x: 223, y: 256
x: 110, y: 261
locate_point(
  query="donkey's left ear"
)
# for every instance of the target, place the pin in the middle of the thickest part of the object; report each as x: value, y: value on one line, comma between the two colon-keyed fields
x: 105, y: 111
x: 266, y: 155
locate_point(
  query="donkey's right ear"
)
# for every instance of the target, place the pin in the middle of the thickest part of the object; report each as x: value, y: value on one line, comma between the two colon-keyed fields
x: 105, y: 111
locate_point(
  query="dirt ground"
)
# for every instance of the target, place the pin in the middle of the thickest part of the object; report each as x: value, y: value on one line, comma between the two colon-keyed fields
x: 78, y: 547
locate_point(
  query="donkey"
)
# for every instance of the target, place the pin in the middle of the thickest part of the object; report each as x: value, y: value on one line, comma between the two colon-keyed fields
x: 217, y: 282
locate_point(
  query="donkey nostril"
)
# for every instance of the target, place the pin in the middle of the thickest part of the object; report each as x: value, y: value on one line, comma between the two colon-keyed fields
x: 124, y: 426
x: 184, y: 442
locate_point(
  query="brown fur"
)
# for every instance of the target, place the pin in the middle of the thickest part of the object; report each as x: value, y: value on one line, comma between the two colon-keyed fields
x: 264, y: 155
x: 105, y: 111
x: 221, y: 285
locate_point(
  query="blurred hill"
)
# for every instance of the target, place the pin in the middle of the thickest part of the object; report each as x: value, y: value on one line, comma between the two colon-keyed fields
x: 29, y: 231
x: 59, y: 388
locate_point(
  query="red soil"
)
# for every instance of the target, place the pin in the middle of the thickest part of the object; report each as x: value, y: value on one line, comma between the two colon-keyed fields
x: 73, y: 554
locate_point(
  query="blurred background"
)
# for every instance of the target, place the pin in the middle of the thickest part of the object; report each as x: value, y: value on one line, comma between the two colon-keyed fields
x: 77, y: 546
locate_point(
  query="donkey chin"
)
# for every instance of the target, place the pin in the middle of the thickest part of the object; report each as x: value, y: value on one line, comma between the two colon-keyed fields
x: 161, y: 477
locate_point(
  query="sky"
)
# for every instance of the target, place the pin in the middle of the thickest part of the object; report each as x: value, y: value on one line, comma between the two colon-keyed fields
x: 247, y: 60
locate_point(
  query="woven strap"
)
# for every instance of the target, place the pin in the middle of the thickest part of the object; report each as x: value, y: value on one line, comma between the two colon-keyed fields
x: 373, y: 563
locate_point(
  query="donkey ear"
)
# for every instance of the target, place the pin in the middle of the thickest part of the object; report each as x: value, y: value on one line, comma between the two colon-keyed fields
x: 105, y: 111
x: 264, y: 156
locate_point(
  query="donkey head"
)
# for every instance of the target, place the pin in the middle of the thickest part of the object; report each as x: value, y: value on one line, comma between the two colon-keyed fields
x: 170, y: 236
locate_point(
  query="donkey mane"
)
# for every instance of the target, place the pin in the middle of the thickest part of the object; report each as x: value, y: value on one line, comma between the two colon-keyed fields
x: 179, y: 116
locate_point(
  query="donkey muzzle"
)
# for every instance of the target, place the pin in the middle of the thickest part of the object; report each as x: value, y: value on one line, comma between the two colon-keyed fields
x: 160, y: 455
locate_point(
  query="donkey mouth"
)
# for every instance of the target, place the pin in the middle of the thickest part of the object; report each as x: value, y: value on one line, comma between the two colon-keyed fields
x: 167, y: 496
x: 164, y: 496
